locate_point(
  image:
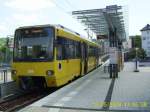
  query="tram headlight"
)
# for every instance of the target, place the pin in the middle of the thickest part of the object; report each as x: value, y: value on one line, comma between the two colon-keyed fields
x: 13, y: 72
x: 49, y: 72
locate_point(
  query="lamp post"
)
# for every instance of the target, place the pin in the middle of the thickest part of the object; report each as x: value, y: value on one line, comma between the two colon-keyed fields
x: 87, y: 30
x: 7, y: 46
x: 136, y: 61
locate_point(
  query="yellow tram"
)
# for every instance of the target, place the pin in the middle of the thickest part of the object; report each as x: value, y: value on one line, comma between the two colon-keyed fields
x: 51, y: 56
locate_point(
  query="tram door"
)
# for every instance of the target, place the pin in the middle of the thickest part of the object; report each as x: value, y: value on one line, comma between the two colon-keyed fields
x: 84, y: 53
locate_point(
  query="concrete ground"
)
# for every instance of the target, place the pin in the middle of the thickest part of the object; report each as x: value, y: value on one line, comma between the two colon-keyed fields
x: 97, y: 92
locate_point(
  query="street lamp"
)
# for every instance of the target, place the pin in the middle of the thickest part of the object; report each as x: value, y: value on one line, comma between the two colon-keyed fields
x: 87, y: 30
x: 136, y: 60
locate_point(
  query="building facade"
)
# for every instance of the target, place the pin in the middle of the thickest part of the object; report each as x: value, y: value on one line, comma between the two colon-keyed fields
x: 146, y: 39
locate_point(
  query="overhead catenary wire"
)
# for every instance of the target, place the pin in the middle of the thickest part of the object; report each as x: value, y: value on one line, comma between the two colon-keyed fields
x: 83, y: 16
x: 74, y: 8
x: 59, y: 6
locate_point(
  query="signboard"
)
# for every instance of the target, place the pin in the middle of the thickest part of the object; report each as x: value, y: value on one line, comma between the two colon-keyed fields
x: 102, y: 37
x: 113, y: 55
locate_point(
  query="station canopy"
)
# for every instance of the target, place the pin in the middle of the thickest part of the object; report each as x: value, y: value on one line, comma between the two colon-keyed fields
x: 100, y: 21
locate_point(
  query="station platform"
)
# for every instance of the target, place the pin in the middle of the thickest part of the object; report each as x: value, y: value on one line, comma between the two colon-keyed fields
x: 97, y: 92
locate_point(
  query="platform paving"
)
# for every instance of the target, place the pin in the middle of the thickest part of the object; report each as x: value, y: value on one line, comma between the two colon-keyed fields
x: 97, y: 92
x: 132, y: 89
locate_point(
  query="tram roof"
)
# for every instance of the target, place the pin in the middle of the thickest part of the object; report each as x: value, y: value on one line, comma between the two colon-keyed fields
x: 58, y: 26
x: 79, y: 36
x: 33, y: 26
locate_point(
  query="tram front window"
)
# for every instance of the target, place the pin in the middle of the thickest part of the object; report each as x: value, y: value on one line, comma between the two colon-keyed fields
x: 34, y: 44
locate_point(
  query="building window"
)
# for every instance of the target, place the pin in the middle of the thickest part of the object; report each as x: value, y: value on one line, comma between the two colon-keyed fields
x: 148, y: 52
x: 144, y: 38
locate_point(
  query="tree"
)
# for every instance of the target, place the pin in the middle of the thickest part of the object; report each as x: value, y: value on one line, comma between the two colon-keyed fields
x: 140, y: 53
x: 131, y: 54
x: 2, y: 53
x: 5, y: 53
x: 136, y: 41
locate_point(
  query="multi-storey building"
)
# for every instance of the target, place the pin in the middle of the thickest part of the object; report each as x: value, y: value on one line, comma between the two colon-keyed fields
x: 146, y: 39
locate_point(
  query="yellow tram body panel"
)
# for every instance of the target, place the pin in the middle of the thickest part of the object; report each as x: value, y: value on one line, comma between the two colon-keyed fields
x: 91, y: 63
x: 68, y: 71
x: 34, y: 69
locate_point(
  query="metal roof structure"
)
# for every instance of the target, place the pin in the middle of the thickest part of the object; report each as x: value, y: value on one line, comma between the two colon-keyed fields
x: 101, y: 20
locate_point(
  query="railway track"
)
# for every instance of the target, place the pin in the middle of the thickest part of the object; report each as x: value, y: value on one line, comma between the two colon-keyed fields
x: 19, y: 101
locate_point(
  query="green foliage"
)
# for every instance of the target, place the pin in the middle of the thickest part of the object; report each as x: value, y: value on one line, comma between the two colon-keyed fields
x: 2, y: 42
x: 140, y: 53
x: 132, y: 54
x: 137, y: 41
x: 3, y: 50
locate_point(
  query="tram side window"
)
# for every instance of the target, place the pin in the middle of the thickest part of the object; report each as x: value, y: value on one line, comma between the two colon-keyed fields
x: 77, y: 49
x: 59, y: 52
x: 99, y: 52
x: 89, y: 51
x: 60, y: 49
x: 68, y: 49
x: 92, y: 51
x: 96, y: 52
x: 65, y: 48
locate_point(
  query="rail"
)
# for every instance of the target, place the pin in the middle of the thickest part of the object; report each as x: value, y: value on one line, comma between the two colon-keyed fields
x: 21, y: 100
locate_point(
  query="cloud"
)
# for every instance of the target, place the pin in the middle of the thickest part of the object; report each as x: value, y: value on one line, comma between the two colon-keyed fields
x: 25, y: 19
x: 16, y: 20
x: 29, y: 5
x: 3, y: 29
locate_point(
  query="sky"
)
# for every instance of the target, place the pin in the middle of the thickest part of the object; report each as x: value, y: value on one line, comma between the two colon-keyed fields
x: 16, y: 13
